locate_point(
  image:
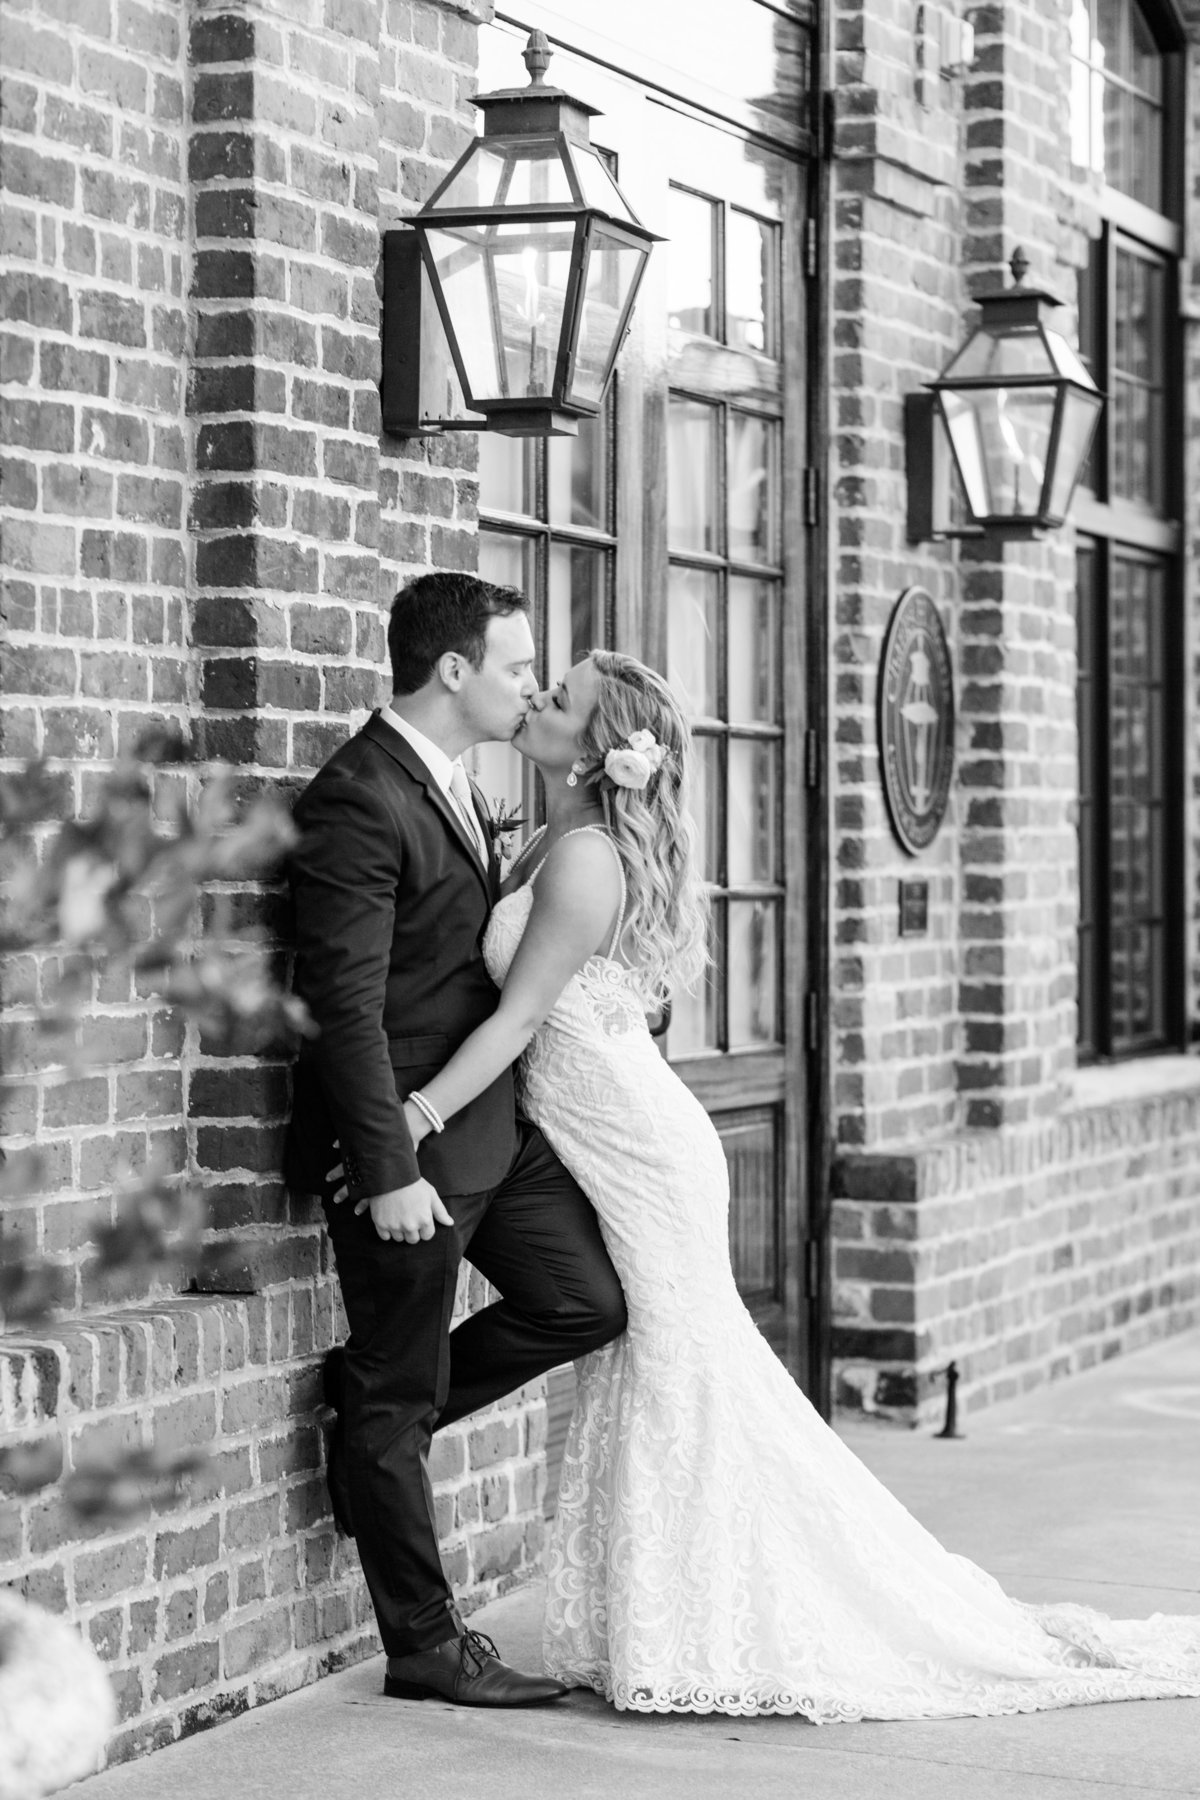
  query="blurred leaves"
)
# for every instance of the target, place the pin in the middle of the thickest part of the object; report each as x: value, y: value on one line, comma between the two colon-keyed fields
x: 27, y: 1468
x: 144, y: 886
x: 131, y: 1482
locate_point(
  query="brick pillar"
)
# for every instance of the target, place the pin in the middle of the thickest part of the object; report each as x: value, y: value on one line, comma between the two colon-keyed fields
x: 428, y: 493
x: 93, y: 331
x: 1018, y: 753
x: 284, y: 418
x: 897, y: 311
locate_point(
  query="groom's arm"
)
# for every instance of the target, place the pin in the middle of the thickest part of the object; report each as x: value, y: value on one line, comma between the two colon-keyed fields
x: 344, y: 875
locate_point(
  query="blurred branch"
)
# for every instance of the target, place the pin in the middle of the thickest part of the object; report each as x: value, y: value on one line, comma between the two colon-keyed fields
x: 128, y: 888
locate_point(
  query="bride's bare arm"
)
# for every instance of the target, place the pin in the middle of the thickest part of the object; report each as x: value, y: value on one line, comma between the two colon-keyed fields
x: 574, y: 910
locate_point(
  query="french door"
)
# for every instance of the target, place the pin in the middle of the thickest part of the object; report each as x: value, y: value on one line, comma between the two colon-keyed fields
x: 674, y: 527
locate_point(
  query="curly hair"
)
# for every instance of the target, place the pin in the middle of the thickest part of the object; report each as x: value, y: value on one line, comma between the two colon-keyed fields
x: 667, y: 916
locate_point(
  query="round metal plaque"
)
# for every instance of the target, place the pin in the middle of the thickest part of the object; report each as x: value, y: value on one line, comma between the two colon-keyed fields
x: 916, y: 720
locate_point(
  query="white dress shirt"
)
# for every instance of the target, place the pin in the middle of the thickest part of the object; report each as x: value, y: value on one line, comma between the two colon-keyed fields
x: 442, y: 768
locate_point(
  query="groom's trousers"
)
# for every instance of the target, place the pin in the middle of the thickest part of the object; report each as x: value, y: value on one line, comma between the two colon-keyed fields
x: 536, y: 1239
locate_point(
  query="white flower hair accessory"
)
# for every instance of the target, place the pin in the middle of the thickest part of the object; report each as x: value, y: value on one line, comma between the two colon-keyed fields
x: 632, y: 763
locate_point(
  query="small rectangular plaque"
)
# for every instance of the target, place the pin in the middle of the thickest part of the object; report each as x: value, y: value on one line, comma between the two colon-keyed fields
x: 914, y: 908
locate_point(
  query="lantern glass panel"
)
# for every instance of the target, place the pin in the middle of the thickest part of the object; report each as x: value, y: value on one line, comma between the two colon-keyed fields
x: 989, y: 356
x: 1006, y: 445
x: 460, y: 261
x: 510, y: 172
x: 598, y: 187
x: 1067, y: 360
x: 962, y: 427
x: 505, y: 287
x: 611, y: 275
x: 1079, y: 415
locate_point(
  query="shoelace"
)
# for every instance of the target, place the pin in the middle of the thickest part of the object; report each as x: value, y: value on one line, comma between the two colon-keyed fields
x: 476, y: 1646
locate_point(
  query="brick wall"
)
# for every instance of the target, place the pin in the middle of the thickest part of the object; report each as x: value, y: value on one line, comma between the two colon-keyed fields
x: 245, y: 1591
x: 94, y: 549
x: 202, y: 523
x: 1025, y: 1256
x: 956, y: 1124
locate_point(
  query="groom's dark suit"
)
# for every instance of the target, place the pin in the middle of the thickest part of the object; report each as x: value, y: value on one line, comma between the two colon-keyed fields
x: 391, y: 901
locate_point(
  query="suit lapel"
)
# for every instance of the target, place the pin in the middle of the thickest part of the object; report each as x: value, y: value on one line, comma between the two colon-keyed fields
x: 401, y: 751
x: 485, y: 825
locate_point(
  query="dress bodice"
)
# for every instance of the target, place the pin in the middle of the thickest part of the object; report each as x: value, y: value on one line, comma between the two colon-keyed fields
x: 602, y: 998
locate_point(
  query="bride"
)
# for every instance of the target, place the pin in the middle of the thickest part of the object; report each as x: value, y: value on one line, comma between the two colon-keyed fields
x: 717, y: 1548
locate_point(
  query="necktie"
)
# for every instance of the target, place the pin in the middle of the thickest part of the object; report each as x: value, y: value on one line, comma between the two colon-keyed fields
x: 460, y: 788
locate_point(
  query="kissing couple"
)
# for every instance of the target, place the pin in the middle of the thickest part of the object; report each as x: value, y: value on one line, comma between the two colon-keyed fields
x: 716, y: 1548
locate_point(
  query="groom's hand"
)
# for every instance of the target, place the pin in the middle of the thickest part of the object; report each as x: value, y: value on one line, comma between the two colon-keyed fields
x: 407, y: 1214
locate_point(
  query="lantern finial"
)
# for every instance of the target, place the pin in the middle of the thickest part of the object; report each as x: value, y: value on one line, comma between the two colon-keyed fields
x: 1019, y: 264
x: 536, y: 57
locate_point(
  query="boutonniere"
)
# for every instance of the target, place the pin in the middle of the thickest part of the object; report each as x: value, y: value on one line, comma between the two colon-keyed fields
x: 502, y: 822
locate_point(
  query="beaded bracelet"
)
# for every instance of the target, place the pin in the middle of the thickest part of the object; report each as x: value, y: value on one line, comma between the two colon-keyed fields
x: 428, y: 1109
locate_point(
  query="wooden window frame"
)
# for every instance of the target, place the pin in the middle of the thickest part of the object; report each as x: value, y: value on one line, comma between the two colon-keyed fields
x: 1119, y: 527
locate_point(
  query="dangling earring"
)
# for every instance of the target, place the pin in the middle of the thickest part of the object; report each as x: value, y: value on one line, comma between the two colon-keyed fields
x: 577, y: 769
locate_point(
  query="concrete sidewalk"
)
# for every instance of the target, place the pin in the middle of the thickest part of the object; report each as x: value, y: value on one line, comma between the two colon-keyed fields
x: 1089, y: 1491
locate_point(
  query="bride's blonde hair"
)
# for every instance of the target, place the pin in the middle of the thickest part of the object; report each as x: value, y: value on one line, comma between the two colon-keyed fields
x: 666, y: 916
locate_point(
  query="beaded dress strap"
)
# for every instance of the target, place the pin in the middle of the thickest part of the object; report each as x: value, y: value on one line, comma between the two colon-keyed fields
x: 526, y: 847
x: 600, y: 832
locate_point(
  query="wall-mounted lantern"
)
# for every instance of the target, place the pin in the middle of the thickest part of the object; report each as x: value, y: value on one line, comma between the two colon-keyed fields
x: 1016, y: 410
x: 534, y: 257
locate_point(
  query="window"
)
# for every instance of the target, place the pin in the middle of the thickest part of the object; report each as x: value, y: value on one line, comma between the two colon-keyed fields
x: 1128, y: 568
x: 724, y: 600
x: 547, y: 527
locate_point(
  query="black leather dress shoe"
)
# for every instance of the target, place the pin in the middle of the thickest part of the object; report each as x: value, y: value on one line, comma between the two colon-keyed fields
x: 467, y: 1671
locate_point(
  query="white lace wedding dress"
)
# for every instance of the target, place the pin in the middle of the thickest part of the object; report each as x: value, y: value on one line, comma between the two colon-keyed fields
x: 717, y: 1548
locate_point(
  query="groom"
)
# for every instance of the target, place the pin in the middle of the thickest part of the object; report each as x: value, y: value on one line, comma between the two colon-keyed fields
x: 392, y: 884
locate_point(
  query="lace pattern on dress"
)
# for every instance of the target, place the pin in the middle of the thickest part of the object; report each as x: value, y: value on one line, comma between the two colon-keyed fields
x: 717, y: 1548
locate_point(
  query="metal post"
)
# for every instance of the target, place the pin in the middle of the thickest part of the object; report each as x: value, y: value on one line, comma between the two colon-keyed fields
x: 950, y: 1428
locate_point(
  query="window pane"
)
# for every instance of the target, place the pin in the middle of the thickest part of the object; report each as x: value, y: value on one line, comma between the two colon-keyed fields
x: 753, y: 632
x: 693, y: 475
x: 1138, y: 380
x: 752, y: 483
x: 1117, y: 98
x: 753, y: 972
x: 1136, y: 869
x: 706, y: 799
x: 577, y: 606
x: 694, y: 640
x: 753, y: 810
x: 691, y: 233
x: 577, y: 475
x: 506, y: 559
x: 499, y: 770
x: 506, y: 473
x: 749, y: 1142
x: 695, y: 1017
x: 751, y: 284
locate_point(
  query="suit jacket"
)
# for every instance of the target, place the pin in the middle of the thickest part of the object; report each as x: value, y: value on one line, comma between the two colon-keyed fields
x: 390, y: 904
